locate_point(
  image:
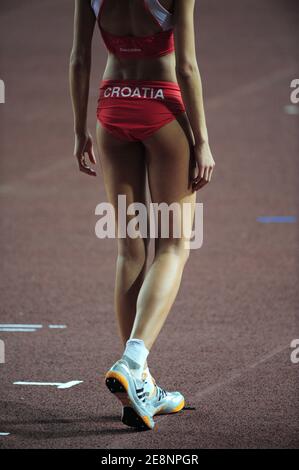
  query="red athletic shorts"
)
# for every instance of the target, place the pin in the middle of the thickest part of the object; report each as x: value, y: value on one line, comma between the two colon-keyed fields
x: 134, y: 109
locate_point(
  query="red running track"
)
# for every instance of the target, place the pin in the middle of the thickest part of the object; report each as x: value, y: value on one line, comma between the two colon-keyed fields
x: 226, y: 344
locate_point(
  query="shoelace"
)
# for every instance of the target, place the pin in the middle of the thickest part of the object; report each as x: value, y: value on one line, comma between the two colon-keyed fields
x: 161, y: 392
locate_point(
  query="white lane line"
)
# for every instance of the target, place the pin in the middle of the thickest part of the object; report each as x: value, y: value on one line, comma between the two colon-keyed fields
x: 57, y: 326
x: 4, y: 433
x: 291, y: 109
x: 18, y: 329
x: 239, y: 373
x: 24, y: 327
x: 19, y: 325
x: 235, y: 375
x: 60, y: 385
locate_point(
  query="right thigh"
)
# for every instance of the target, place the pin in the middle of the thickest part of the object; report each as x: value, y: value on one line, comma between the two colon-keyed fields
x: 169, y: 162
x: 123, y: 169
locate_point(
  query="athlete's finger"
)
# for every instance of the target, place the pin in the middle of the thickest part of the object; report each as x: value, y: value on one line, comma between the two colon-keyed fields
x: 196, y: 178
x: 192, y: 172
x: 84, y: 167
x: 89, y: 149
x: 206, y: 174
x: 91, y: 155
x: 201, y: 175
x: 88, y: 171
x: 201, y: 171
x: 200, y: 184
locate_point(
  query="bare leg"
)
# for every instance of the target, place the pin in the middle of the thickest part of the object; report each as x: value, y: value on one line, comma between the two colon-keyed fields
x: 124, y: 170
x: 168, y: 160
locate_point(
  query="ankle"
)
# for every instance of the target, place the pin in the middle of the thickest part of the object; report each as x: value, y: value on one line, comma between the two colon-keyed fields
x: 135, y: 354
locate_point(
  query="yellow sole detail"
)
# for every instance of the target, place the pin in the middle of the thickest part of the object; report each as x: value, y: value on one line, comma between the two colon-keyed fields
x: 175, y: 410
x: 180, y: 406
x: 146, y: 421
x: 124, y: 397
x: 119, y: 377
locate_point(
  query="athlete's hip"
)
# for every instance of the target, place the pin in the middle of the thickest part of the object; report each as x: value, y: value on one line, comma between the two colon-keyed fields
x: 134, y: 109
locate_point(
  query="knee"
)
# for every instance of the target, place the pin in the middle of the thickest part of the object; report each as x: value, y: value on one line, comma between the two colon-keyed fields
x: 176, y: 246
x: 135, y: 250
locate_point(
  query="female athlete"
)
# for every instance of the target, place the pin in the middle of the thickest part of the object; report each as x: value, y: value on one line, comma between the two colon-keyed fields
x: 150, y: 126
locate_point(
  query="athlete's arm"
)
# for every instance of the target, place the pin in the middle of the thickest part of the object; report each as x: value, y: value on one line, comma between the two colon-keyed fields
x: 79, y: 76
x: 189, y: 79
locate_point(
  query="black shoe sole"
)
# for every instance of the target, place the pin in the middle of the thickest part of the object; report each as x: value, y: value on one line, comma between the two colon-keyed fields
x: 129, y: 416
x: 132, y: 419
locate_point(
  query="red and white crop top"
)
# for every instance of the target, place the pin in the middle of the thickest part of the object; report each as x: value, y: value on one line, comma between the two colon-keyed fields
x: 155, y: 45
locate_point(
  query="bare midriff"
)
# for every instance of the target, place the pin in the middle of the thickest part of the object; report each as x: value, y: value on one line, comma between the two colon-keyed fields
x: 156, y: 68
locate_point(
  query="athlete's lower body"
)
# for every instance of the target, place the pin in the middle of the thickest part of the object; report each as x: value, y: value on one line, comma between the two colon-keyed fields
x: 138, y: 135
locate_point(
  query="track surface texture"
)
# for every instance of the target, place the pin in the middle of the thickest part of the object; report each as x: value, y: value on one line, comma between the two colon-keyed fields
x: 226, y: 343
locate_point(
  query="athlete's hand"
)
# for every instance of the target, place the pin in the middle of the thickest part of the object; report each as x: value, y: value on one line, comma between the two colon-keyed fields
x: 204, y: 165
x: 83, y: 145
